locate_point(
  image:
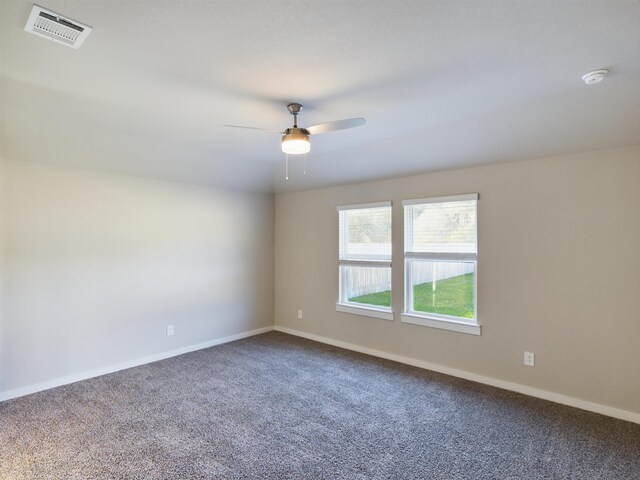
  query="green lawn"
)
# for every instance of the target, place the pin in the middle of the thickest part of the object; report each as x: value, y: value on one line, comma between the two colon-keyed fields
x: 453, y: 296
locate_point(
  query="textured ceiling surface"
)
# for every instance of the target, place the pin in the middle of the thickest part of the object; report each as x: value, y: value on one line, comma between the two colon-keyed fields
x: 442, y: 84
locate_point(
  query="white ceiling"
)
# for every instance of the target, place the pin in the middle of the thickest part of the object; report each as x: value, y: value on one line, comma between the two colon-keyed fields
x: 442, y: 84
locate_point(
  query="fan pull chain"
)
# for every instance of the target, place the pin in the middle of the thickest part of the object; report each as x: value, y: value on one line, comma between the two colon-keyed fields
x: 305, y: 164
x: 286, y: 166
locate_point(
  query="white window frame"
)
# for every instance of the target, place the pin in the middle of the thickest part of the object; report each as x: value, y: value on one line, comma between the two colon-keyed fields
x: 434, y: 320
x: 345, y: 306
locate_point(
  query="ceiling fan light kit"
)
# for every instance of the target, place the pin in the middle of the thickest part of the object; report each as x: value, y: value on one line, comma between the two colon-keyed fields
x: 295, y: 141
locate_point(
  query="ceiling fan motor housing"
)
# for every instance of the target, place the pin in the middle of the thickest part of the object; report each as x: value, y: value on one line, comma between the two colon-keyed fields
x: 295, y: 133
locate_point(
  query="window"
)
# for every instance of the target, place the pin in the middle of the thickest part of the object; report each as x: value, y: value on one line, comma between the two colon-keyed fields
x: 365, y: 260
x: 440, y: 262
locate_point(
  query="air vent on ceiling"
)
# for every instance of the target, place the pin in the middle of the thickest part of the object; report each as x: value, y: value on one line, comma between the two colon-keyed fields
x: 53, y: 26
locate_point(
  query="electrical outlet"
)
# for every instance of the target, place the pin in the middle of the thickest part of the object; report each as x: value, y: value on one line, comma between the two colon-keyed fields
x: 169, y: 330
x: 529, y: 359
x: 299, y: 314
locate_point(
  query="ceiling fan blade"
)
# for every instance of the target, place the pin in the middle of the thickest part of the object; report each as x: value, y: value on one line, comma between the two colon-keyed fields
x: 253, y: 128
x: 337, y: 125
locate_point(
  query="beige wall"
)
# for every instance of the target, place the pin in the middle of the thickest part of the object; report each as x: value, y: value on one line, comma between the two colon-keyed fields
x: 95, y: 266
x: 558, y: 273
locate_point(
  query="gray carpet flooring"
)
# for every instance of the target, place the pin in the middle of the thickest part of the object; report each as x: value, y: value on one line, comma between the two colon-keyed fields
x: 279, y: 407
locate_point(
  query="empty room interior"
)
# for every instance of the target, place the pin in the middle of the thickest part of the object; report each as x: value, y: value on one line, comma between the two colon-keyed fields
x: 320, y: 239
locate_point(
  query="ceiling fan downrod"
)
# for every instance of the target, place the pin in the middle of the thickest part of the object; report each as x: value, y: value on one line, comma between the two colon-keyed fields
x: 294, y: 109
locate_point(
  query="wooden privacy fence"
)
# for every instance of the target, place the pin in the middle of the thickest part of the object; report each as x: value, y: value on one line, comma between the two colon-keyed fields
x: 365, y: 280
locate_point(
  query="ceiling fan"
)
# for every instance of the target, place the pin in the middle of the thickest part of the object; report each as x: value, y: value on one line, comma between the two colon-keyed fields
x: 295, y: 140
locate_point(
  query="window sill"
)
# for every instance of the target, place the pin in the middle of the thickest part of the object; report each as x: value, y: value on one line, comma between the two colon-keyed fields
x: 452, y: 325
x: 365, y: 311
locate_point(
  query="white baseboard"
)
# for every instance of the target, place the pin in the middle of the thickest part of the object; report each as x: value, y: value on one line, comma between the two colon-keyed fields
x: 56, y: 382
x: 515, y: 387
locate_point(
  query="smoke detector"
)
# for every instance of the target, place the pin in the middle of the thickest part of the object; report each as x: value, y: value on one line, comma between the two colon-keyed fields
x: 51, y: 25
x: 594, y: 77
